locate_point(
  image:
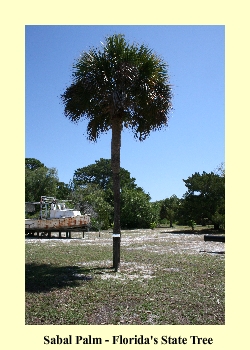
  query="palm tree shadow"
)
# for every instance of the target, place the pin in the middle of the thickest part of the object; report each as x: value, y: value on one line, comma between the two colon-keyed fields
x: 42, y: 278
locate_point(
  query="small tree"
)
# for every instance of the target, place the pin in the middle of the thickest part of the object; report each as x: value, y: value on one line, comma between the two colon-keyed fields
x: 192, y: 224
x: 169, y: 209
x: 136, y: 210
x: 91, y: 200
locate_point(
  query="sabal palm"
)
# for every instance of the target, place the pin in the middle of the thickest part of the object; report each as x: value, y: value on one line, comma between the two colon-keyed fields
x: 119, y: 85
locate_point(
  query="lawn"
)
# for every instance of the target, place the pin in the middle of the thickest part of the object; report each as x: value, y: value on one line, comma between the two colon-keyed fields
x: 166, y: 277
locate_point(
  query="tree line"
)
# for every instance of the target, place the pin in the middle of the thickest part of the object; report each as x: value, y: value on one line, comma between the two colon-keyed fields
x: 91, y: 191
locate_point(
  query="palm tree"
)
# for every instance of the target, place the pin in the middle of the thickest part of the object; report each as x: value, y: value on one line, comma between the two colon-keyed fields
x: 119, y: 85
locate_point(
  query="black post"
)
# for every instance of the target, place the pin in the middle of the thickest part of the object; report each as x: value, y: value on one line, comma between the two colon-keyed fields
x: 115, y: 166
x: 116, y: 229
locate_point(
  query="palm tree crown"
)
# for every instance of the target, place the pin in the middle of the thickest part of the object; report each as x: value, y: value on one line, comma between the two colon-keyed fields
x: 128, y: 82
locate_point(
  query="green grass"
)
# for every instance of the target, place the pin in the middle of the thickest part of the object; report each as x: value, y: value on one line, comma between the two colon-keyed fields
x: 72, y: 282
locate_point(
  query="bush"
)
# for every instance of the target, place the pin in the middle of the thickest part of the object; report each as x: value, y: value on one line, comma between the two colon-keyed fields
x: 136, y: 210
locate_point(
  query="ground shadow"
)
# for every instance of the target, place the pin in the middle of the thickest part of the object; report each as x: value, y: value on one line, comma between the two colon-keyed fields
x: 46, y: 237
x: 195, y: 232
x: 45, y: 277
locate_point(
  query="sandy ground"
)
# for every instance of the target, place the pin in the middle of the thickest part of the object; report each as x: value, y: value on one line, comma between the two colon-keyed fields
x: 160, y: 241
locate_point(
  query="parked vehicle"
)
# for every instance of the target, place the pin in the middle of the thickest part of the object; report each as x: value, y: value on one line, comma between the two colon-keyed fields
x: 54, y: 216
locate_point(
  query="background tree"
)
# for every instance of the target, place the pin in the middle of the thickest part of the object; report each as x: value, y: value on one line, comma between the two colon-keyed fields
x: 33, y: 164
x: 220, y: 170
x: 218, y: 217
x: 116, y: 86
x: 100, y: 174
x: 136, y: 209
x: 169, y: 209
x: 63, y: 190
x: 205, y: 198
x: 90, y: 199
x: 39, y: 180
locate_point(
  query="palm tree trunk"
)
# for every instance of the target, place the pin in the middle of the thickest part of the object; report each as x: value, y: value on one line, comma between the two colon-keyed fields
x: 115, y: 166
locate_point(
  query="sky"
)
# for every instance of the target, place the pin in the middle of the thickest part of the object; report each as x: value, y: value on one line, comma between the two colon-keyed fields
x: 194, y: 140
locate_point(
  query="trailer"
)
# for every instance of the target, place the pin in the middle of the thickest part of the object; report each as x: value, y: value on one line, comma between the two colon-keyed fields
x: 54, y: 216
